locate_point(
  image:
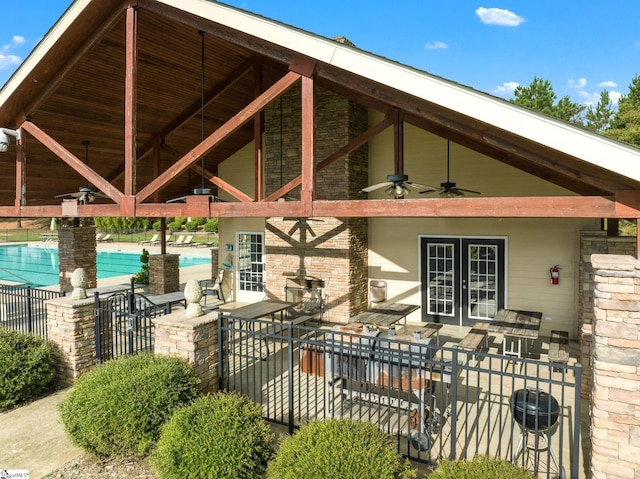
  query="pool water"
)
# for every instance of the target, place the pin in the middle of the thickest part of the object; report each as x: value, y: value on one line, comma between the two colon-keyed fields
x: 40, y: 266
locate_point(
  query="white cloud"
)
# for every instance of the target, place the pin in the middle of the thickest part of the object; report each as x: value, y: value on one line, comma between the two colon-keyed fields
x: 607, y: 84
x: 498, y: 16
x: 506, y: 89
x: 614, y: 96
x: 578, y: 84
x: 9, y: 61
x: 436, y: 45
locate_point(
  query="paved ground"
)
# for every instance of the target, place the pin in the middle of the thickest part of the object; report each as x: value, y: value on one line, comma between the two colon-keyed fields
x: 33, y: 438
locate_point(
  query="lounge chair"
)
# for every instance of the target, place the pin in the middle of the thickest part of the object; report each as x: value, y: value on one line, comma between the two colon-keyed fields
x: 177, y: 242
x: 153, y: 240
x: 187, y: 242
x: 106, y: 238
x: 98, y: 236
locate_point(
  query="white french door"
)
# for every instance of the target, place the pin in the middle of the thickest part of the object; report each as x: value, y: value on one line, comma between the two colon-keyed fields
x: 463, y: 279
x: 250, y: 266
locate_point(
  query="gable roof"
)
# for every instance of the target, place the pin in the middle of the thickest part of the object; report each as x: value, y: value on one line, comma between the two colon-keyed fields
x: 72, y: 85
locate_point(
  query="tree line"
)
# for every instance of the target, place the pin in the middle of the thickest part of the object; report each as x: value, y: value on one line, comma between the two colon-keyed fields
x: 621, y: 123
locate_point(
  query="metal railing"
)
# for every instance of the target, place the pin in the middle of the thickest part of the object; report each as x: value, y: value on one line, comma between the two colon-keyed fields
x: 22, y: 308
x: 436, y: 401
x: 123, y: 324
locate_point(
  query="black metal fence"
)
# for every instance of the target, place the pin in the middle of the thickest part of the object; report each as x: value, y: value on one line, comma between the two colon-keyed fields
x: 436, y: 401
x: 123, y: 324
x: 22, y: 308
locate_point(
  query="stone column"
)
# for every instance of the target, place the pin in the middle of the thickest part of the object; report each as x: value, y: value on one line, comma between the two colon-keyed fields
x: 615, y: 401
x: 192, y: 335
x: 77, y: 249
x: 70, y: 325
x: 164, y: 273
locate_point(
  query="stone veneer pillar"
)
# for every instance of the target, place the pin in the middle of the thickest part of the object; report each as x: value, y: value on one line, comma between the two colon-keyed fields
x: 615, y: 401
x: 70, y: 325
x: 77, y: 249
x: 164, y: 273
x: 594, y: 242
x: 331, y: 249
x: 193, y: 339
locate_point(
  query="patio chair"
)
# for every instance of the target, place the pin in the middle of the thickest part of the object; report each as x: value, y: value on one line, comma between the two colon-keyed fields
x: 188, y: 241
x: 153, y: 240
x: 213, y: 286
x: 106, y: 238
x: 98, y: 236
x: 177, y: 242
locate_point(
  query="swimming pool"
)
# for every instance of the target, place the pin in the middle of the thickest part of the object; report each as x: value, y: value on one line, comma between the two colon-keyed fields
x: 40, y: 266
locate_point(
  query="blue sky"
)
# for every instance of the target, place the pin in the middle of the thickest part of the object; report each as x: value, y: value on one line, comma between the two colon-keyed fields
x: 581, y: 47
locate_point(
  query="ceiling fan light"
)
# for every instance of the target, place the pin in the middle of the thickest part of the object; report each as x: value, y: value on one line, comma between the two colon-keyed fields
x: 399, y: 190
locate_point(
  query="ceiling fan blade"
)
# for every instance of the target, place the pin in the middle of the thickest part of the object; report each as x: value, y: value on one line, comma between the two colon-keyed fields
x: 451, y: 192
x: 419, y: 186
x: 75, y: 194
x: 469, y: 191
x: 371, y: 188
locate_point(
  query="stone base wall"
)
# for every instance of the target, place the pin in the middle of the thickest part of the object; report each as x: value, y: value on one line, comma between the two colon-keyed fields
x: 70, y: 325
x: 77, y: 249
x: 615, y: 403
x: 193, y: 339
x: 164, y: 273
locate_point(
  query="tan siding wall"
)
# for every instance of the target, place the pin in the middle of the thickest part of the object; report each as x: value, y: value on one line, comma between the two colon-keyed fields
x: 533, y: 245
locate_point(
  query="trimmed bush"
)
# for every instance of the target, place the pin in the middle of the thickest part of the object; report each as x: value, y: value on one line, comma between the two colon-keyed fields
x: 27, y: 367
x: 481, y: 466
x: 222, y: 436
x: 339, y: 449
x: 211, y: 226
x: 120, y: 407
x: 191, y: 226
x: 174, y: 226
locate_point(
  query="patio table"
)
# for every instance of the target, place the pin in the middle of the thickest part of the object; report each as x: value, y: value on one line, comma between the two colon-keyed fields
x: 516, y: 326
x: 385, y: 314
x: 261, y: 309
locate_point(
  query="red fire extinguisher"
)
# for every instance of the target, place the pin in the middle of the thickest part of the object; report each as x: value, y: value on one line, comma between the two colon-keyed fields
x: 554, y: 271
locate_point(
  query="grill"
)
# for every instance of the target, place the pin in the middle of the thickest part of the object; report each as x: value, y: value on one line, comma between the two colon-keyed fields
x: 536, y: 412
x: 534, y: 409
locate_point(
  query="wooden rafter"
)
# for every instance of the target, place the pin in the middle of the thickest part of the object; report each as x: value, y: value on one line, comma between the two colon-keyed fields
x: 219, y: 135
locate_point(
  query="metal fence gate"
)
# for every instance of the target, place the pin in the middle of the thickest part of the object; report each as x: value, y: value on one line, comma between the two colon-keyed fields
x: 22, y: 308
x: 436, y: 401
x: 123, y: 325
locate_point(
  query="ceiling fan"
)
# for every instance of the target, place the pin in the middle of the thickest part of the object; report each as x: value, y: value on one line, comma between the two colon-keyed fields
x: 449, y: 188
x: 397, y: 185
x: 85, y: 194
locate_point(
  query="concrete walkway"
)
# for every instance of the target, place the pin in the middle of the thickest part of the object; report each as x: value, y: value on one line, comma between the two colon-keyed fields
x: 32, y: 437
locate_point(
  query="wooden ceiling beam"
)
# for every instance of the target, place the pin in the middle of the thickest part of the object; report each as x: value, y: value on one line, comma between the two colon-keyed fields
x: 484, y: 207
x: 130, y: 101
x: 235, y: 123
x: 78, y: 165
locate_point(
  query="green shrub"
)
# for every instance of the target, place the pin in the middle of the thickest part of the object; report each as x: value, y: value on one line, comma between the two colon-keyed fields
x: 191, y: 226
x: 174, y: 226
x: 481, y: 466
x: 142, y: 276
x: 27, y: 367
x: 157, y: 225
x: 211, y: 226
x: 221, y: 436
x: 339, y: 449
x: 200, y: 221
x: 120, y: 407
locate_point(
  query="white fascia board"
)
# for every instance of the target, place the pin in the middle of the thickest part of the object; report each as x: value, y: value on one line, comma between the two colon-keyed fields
x: 555, y: 134
x: 41, y: 49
